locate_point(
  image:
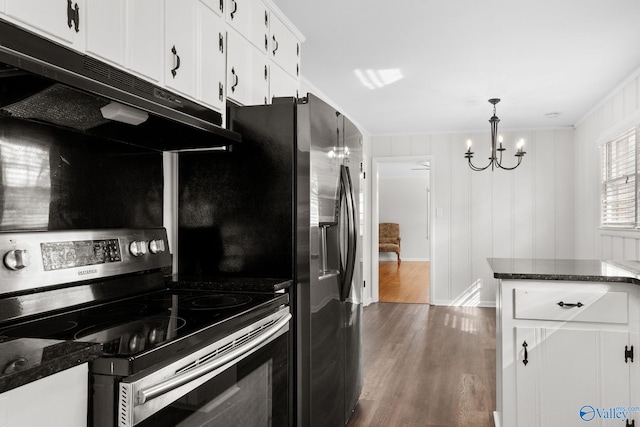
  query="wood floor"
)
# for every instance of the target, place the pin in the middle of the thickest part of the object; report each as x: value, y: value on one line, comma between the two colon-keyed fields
x: 407, y: 282
x: 427, y: 366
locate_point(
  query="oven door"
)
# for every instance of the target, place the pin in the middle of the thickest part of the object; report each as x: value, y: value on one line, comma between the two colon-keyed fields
x: 241, y: 380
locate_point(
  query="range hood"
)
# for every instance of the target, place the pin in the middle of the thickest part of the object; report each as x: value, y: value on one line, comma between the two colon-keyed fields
x: 46, y: 82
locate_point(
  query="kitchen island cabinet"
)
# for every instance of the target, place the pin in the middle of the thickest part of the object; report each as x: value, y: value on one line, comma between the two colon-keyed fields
x: 566, y: 334
x: 44, y: 382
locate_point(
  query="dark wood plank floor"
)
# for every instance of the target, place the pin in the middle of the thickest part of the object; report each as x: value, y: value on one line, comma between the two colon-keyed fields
x: 427, y: 366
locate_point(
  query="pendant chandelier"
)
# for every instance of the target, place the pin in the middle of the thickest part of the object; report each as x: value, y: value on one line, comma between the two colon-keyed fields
x: 495, y: 161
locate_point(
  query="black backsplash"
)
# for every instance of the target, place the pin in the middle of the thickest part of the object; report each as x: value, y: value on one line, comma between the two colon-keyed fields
x: 235, y: 210
x: 56, y: 179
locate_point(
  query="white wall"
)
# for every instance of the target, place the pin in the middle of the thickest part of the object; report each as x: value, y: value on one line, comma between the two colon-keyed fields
x: 528, y: 212
x: 403, y: 200
x: 618, y: 111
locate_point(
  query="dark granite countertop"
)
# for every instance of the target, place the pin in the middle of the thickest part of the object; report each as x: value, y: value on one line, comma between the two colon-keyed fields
x: 24, y: 360
x: 566, y: 269
x: 230, y: 284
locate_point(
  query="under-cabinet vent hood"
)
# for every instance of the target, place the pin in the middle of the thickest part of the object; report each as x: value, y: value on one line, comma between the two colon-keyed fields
x: 45, y: 82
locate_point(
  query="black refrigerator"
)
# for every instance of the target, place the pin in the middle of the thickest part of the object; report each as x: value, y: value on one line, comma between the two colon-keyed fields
x: 286, y: 203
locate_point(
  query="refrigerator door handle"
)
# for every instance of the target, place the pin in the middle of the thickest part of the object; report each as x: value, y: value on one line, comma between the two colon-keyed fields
x: 346, y: 190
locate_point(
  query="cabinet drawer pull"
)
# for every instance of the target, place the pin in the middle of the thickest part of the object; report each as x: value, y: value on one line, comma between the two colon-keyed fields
x: 570, y: 305
x: 275, y: 45
x: 526, y: 354
x: 174, y: 71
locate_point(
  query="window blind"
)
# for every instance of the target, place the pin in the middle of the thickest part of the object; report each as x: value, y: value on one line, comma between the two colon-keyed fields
x: 620, y: 204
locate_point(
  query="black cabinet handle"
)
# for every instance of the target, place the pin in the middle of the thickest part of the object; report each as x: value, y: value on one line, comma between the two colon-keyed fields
x: 526, y: 354
x: 174, y: 71
x: 236, y: 79
x: 266, y: 43
x: 266, y: 19
x: 266, y: 73
x: 220, y: 91
x: 221, y: 6
x: 570, y: 305
x: 235, y: 9
x: 221, y: 42
x: 73, y: 16
x: 275, y: 42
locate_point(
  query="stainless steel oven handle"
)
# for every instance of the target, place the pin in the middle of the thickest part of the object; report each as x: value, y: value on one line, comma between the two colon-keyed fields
x: 146, y: 394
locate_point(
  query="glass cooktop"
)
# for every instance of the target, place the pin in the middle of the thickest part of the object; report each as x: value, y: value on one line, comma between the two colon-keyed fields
x: 148, y: 322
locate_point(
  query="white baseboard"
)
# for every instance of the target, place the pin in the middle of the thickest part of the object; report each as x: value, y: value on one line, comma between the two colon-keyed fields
x: 496, y: 419
x: 487, y: 304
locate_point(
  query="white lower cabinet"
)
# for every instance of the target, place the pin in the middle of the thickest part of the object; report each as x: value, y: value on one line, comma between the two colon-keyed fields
x: 58, y: 400
x: 570, y: 372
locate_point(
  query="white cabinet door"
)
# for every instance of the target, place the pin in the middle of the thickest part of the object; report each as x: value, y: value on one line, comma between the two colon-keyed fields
x: 106, y: 30
x: 282, y: 83
x: 250, y: 18
x: 58, y: 400
x: 259, y: 26
x: 62, y: 21
x: 128, y: 34
x: 180, y: 46
x: 285, y: 47
x: 247, y: 71
x: 144, y: 40
x: 216, y: 6
x: 570, y: 376
x: 211, y: 58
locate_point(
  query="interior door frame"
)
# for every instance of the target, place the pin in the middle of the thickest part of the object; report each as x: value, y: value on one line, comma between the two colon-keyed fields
x: 375, y: 216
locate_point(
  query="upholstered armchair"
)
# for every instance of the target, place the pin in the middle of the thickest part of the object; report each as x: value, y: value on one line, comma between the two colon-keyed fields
x: 389, y: 238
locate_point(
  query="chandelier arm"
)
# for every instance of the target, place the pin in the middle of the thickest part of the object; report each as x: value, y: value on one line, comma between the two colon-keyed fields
x: 511, y: 168
x: 476, y: 168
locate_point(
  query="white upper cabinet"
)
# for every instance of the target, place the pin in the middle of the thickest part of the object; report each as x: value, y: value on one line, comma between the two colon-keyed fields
x: 247, y: 71
x: 62, y: 21
x: 194, y: 51
x: 144, y: 43
x: 282, y: 83
x: 210, y: 76
x: 215, y: 5
x: 250, y: 18
x: 127, y: 33
x: 180, y: 46
x: 285, y: 47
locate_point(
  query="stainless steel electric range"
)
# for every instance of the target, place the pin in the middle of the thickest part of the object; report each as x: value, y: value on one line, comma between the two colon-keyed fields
x: 172, y: 354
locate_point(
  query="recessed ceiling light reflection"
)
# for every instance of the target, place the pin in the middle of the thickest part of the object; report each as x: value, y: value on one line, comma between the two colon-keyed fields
x: 374, y: 79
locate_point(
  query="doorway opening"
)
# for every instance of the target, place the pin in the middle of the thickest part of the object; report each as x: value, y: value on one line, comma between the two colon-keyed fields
x: 402, y: 195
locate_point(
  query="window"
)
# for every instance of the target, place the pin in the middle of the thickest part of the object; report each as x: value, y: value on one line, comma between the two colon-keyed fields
x: 25, y: 186
x: 619, y: 181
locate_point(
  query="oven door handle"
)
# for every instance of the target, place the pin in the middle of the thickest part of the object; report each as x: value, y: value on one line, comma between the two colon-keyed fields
x: 146, y: 394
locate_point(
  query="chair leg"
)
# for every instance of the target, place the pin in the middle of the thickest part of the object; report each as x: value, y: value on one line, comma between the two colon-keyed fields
x: 399, y: 260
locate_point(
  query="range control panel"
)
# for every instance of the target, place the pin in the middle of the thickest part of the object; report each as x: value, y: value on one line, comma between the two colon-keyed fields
x: 38, y: 259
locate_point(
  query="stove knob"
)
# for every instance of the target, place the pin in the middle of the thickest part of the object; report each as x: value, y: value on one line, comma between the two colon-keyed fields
x: 136, y: 343
x: 138, y: 248
x: 17, y: 259
x: 156, y: 246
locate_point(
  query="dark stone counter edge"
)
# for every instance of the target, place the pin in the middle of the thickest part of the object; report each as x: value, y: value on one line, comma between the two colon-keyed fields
x: 563, y: 277
x: 249, y: 285
x: 80, y: 353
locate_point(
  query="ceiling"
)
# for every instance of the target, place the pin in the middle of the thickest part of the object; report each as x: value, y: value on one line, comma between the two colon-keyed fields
x: 432, y: 65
